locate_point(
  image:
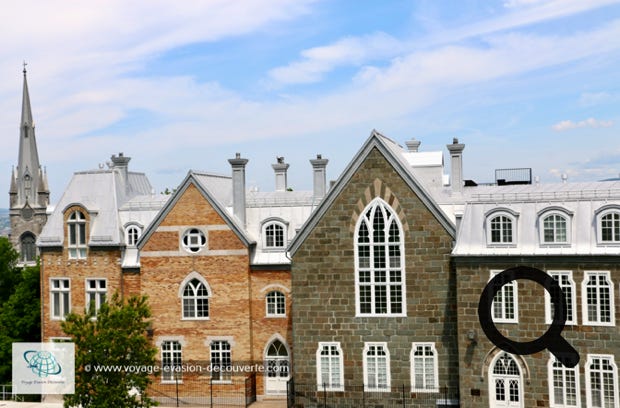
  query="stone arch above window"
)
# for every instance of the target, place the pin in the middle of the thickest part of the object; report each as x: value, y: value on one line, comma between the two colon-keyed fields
x: 494, y: 354
x: 378, y: 189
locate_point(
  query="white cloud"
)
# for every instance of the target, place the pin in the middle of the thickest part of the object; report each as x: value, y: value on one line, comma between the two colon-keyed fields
x: 595, y: 98
x: 587, y: 123
x: 522, y: 3
x: 318, y: 61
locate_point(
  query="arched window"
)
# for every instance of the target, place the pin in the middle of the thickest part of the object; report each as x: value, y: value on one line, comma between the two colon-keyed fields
x: 76, y: 226
x: 505, y: 384
x: 195, y: 300
x: 276, y: 304
x: 28, y: 247
x: 274, y: 235
x: 555, y: 229
x: 132, y: 235
x: 501, y: 227
x: 380, y: 278
x: 610, y: 227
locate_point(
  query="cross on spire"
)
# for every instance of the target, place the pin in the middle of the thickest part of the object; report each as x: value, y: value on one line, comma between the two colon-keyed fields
x: 25, y: 63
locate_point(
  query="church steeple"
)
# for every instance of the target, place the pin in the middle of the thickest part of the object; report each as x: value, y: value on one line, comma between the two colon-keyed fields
x: 29, y: 178
x: 29, y: 192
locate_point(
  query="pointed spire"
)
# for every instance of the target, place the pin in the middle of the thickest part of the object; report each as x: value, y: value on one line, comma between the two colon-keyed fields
x: 28, y: 160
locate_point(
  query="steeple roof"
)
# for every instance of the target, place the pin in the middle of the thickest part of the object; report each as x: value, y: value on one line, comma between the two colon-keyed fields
x: 28, y: 179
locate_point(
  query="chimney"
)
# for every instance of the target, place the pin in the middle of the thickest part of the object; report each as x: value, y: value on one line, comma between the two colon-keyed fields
x: 280, y: 169
x: 238, y: 180
x: 413, y: 145
x: 456, y: 165
x: 319, y: 179
x: 121, y: 163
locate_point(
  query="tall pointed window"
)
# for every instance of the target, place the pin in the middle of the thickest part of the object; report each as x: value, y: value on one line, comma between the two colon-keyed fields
x: 376, y: 367
x: 76, y: 226
x: 601, y: 381
x: 329, y: 367
x: 195, y: 300
x: 28, y: 247
x: 563, y: 385
x: 380, y: 278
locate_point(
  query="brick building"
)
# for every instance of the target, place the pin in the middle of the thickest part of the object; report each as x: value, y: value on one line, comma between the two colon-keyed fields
x: 211, y: 258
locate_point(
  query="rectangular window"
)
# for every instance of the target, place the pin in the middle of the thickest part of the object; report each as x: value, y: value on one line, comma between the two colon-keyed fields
x: 563, y: 385
x: 329, y: 363
x: 171, y: 361
x: 376, y: 367
x: 60, y: 293
x: 601, y: 381
x: 567, y: 284
x: 96, y: 291
x: 424, y: 368
x: 505, y: 307
x: 221, y: 360
x: 598, y: 299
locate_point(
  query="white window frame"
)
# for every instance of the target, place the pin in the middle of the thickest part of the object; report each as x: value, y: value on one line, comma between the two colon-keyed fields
x: 502, y: 292
x: 366, y: 362
x: 435, y: 369
x: 97, y: 292
x: 62, y: 293
x: 510, y: 215
x: 275, y: 298
x: 333, y: 360
x: 224, y: 377
x: 588, y: 371
x: 570, y: 306
x: 196, y: 240
x: 567, y: 216
x: 564, y: 370
x: 133, y: 232
x: 372, y: 270
x: 175, y: 375
x: 584, y: 300
x: 602, y: 212
x: 190, y: 278
x: 275, y: 223
x: 77, y: 249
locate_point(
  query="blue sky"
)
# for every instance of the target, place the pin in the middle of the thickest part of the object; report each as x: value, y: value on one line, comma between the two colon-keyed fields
x: 185, y: 85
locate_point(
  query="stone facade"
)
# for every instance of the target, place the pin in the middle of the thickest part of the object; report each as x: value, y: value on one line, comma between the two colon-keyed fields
x: 324, y: 280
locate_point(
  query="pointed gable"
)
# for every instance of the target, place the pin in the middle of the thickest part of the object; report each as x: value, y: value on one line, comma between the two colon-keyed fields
x: 193, y: 204
x: 392, y: 153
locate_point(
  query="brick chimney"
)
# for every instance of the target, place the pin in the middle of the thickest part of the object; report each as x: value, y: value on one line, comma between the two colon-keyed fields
x: 319, y: 176
x: 456, y: 165
x: 280, y: 169
x: 238, y: 181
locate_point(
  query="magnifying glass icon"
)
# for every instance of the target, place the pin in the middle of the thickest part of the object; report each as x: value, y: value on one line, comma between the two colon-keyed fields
x: 551, y: 339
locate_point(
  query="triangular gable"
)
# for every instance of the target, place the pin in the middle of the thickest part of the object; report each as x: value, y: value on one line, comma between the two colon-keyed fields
x: 191, y: 179
x: 388, y: 149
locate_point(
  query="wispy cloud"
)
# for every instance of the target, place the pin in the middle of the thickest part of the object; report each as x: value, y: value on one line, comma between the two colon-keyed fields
x: 352, y: 51
x: 587, y: 123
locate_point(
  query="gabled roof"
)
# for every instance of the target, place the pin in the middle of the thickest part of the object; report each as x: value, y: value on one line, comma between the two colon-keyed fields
x: 201, y: 181
x: 394, y: 154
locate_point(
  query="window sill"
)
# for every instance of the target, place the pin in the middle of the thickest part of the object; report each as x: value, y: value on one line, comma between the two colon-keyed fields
x: 332, y: 389
x: 380, y: 315
x: 185, y: 319
x: 555, y: 245
x: 501, y: 245
x: 221, y: 381
x: 275, y: 316
x: 172, y: 382
x: 425, y: 390
x: 386, y: 389
x: 599, y: 324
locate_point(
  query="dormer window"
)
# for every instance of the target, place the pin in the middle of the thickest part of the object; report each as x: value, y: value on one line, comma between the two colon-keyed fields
x: 501, y: 226
x: 608, y: 225
x: 554, y: 226
x: 76, y: 228
x: 274, y: 234
x: 132, y: 235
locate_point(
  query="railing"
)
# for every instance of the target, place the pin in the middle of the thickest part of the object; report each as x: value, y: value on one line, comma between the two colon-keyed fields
x: 6, y: 394
x: 356, y: 396
x: 548, y: 195
x: 204, y: 391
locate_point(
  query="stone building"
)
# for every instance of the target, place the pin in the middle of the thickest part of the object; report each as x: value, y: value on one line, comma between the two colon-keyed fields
x: 374, y: 289
x: 29, y: 193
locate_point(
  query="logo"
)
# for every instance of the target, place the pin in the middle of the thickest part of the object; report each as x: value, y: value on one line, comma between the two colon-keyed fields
x: 43, y: 368
x: 42, y: 363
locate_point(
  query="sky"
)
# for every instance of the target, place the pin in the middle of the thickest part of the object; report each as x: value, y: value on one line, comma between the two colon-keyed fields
x: 186, y: 85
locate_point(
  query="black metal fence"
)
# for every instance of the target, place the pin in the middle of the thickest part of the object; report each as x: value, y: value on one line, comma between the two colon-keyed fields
x: 355, y: 396
x: 204, y: 391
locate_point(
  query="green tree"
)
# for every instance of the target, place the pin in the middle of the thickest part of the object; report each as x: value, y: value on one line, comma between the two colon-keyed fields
x: 113, y: 336
x: 20, y: 306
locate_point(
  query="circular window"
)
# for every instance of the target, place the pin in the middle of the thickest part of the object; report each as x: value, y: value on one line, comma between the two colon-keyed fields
x: 194, y: 240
